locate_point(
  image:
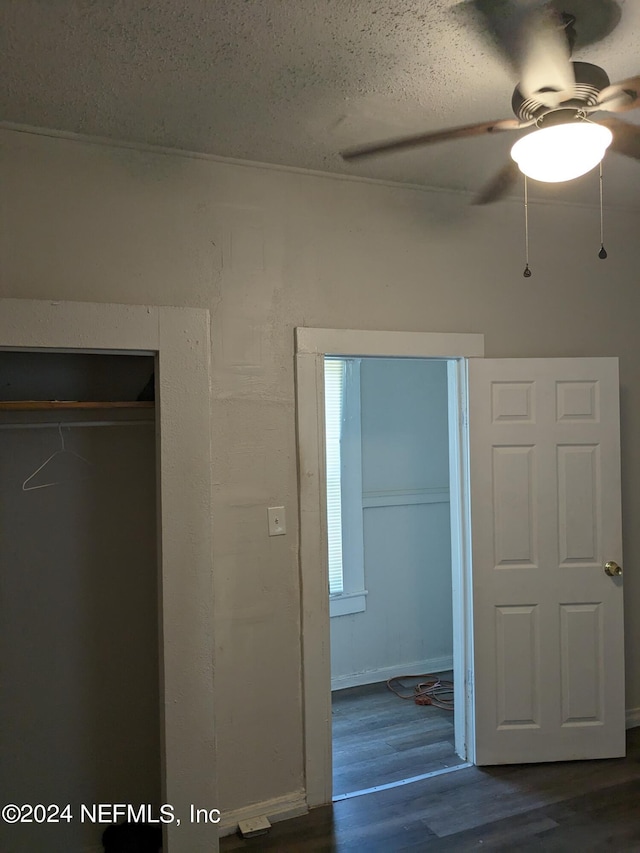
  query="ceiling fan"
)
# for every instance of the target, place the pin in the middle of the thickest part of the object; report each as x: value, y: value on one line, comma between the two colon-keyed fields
x: 555, y: 97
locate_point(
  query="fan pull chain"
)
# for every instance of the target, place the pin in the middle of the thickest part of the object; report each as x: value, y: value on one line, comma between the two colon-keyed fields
x: 602, y: 254
x: 527, y: 271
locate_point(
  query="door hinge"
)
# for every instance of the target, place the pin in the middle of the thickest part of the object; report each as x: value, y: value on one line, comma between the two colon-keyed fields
x: 470, y: 683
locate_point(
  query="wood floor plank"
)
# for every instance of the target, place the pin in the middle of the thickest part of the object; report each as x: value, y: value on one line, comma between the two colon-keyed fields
x: 508, y: 834
x: 397, y: 738
x: 344, y: 754
x: 419, y: 734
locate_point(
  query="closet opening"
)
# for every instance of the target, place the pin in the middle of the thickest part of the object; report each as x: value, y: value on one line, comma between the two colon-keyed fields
x: 80, y: 721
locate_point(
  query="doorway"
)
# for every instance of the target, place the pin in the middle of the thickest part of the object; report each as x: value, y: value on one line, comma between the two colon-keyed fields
x: 389, y: 545
x: 312, y: 345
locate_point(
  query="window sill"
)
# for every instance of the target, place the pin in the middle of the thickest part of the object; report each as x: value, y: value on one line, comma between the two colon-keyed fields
x: 348, y: 602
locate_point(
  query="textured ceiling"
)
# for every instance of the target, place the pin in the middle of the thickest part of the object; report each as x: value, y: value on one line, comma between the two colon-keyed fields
x: 289, y: 82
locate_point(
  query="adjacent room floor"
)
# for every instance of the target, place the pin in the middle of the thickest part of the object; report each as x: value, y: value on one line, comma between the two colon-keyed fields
x: 379, y: 738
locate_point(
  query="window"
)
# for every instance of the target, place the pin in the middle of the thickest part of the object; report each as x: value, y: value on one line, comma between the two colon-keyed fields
x: 334, y: 406
x: 344, y: 486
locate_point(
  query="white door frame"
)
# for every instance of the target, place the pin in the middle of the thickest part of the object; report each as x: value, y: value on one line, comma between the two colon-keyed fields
x: 180, y: 340
x: 311, y: 347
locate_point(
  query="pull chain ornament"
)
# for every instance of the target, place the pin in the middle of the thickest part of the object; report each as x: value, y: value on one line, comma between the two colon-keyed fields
x: 602, y: 254
x: 527, y: 272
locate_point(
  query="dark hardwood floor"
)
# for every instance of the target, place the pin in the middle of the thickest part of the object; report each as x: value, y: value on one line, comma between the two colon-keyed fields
x: 379, y: 738
x: 568, y: 807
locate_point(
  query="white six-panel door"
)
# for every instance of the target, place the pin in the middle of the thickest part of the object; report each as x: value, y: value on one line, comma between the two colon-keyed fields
x: 545, y: 518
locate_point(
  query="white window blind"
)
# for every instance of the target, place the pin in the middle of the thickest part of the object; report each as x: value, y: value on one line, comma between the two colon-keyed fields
x: 334, y: 370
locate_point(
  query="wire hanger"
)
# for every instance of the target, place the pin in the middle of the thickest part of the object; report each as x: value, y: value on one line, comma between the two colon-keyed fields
x: 63, y: 450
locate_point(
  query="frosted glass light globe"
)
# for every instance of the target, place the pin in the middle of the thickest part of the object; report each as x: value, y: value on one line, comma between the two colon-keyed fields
x: 561, y: 152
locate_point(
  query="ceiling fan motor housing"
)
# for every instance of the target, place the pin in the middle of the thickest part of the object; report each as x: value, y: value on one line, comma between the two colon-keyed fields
x: 590, y: 81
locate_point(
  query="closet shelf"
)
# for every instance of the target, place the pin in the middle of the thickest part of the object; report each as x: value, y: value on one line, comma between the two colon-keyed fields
x: 41, y: 405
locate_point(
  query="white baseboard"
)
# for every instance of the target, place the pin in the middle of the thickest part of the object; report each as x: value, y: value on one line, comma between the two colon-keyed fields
x: 372, y: 676
x: 280, y: 808
x: 632, y: 717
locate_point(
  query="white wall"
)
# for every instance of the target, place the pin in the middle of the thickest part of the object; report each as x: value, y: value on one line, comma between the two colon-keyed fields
x: 267, y: 250
x: 407, y: 624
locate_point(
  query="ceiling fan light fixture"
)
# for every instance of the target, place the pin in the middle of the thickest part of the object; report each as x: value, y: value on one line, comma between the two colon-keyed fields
x: 562, y: 152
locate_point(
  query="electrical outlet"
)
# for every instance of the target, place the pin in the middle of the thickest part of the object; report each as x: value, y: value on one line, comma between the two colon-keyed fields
x: 277, y: 521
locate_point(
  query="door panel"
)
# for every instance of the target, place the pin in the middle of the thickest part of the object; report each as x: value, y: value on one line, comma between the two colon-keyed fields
x: 514, y: 507
x: 545, y: 517
x: 518, y: 669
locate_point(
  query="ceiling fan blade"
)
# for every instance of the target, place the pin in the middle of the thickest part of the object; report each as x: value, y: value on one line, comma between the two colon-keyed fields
x: 532, y: 36
x: 545, y: 56
x: 417, y: 140
x: 621, y: 96
x: 626, y: 137
x: 596, y: 20
x: 499, y: 185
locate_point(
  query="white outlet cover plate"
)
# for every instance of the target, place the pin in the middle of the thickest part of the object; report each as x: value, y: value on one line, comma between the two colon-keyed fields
x: 277, y: 521
x: 254, y: 826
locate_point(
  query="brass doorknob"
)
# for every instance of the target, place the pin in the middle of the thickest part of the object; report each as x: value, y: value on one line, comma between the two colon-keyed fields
x: 612, y: 569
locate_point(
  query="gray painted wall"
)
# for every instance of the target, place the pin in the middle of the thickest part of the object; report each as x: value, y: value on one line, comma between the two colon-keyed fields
x: 79, y: 717
x: 406, y: 627
x: 267, y: 250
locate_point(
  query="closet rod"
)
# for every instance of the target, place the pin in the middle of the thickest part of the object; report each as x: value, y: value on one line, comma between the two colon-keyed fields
x: 75, y: 424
